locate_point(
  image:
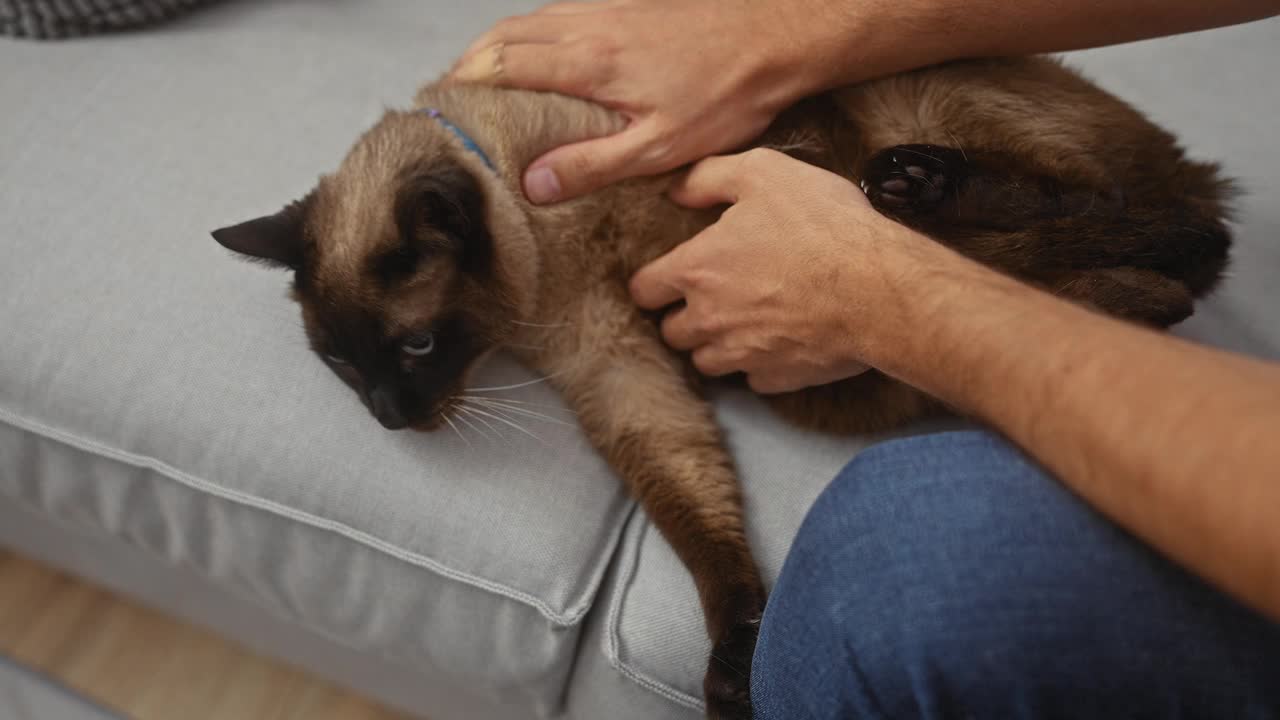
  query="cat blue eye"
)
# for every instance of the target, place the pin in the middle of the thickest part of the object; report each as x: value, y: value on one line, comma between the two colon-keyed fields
x: 420, y: 345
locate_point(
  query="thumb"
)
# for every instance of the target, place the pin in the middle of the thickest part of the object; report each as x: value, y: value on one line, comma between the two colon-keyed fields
x: 577, y: 169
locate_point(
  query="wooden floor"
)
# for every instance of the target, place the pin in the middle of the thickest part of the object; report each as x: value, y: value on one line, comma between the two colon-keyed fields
x: 146, y: 666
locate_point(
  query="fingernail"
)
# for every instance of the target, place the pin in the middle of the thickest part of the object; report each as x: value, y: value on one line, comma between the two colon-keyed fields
x: 477, y: 69
x: 542, y: 185
x: 462, y: 71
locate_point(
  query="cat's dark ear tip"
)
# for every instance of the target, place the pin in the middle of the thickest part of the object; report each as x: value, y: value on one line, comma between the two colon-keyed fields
x: 273, y: 239
x: 234, y: 237
x: 222, y: 235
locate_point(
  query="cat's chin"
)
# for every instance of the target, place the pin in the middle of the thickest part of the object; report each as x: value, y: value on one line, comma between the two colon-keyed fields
x: 430, y: 424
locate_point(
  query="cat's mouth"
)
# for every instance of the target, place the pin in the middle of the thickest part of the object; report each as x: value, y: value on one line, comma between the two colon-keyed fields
x: 429, y: 424
x: 438, y: 418
x: 389, y: 413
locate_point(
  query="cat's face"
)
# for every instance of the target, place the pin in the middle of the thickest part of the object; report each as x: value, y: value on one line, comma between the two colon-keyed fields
x: 395, y: 271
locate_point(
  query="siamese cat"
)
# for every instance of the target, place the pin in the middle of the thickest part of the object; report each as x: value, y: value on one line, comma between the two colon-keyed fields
x: 420, y: 255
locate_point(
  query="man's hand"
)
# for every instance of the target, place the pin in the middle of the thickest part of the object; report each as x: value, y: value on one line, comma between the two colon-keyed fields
x: 693, y: 78
x: 698, y: 77
x: 783, y: 285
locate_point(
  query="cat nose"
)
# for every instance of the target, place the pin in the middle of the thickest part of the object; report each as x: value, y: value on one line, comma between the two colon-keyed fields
x: 387, y: 409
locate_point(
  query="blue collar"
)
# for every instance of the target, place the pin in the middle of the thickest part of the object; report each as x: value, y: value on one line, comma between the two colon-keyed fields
x: 467, y: 142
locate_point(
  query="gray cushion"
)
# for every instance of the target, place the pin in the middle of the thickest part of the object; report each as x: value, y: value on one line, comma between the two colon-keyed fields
x: 153, y: 386
x: 154, y: 389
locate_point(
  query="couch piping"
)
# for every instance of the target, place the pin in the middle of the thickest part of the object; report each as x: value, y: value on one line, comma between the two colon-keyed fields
x: 615, y: 622
x: 566, y: 619
x: 278, y: 613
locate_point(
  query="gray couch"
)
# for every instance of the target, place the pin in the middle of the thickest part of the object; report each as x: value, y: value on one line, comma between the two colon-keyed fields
x: 165, y: 431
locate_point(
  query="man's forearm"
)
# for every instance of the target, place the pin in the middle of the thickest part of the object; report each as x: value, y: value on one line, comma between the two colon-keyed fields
x: 837, y: 42
x: 1178, y: 443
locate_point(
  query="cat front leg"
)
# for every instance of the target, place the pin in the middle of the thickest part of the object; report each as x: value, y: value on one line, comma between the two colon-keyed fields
x: 635, y: 404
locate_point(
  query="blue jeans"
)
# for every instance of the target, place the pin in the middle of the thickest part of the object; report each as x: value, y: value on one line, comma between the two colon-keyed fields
x: 947, y: 576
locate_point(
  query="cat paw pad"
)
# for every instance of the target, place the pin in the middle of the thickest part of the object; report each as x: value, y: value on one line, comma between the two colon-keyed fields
x: 912, y: 179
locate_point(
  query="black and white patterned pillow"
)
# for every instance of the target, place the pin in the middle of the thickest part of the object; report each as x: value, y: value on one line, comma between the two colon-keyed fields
x: 52, y: 19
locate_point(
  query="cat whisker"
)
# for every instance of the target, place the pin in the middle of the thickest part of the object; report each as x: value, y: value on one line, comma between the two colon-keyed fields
x: 909, y: 176
x: 506, y: 421
x: 517, y: 386
x: 537, y: 348
x: 526, y: 413
x: 728, y: 664
x: 550, y: 406
x: 455, y: 429
x: 486, y: 423
x: 917, y: 152
x: 507, y: 414
x: 958, y: 145
x: 507, y: 387
x: 502, y: 411
x: 491, y: 400
x: 473, y: 426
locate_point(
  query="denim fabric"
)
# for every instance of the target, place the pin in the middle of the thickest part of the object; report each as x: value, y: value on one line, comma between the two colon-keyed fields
x: 947, y: 576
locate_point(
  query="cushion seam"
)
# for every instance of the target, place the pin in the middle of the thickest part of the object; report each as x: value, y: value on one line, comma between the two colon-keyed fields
x: 615, y: 631
x: 567, y: 619
x: 276, y: 611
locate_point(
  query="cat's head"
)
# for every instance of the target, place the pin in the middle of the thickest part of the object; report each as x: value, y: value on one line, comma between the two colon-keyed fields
x: 409, y: 263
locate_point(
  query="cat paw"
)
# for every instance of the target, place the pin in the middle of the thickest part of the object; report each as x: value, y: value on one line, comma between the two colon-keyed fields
x: 727, y: 686
x: 912, y: 179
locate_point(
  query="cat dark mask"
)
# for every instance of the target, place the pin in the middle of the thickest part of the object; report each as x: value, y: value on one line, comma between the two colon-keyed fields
x: 393, y: 269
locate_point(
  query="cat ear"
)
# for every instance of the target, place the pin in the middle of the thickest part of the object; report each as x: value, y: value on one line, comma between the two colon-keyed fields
x: 452, y: 201
x: 276, y: 239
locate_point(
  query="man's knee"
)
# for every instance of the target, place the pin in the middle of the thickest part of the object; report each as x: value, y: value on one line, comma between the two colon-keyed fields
x: 947, y: 575
x: 936, y: 575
